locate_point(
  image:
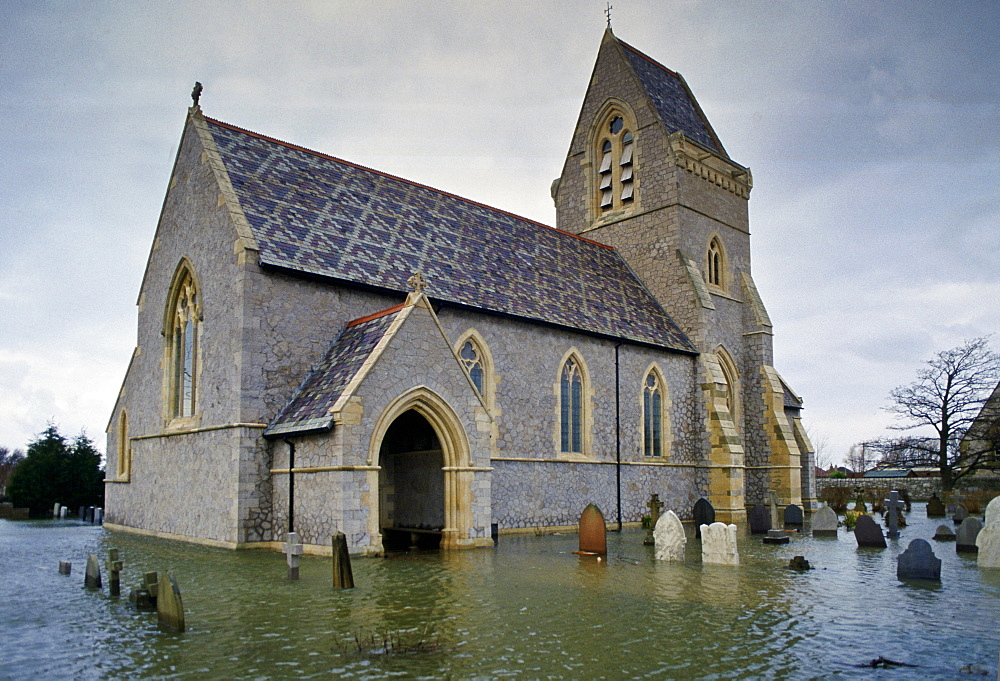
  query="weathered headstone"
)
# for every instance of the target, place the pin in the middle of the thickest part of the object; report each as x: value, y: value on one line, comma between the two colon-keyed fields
x: 892, y: 510
x: 992, y: 514
x: 718, y: 544
x: 169, y: 606
x: 65, y: 567
x: 988, y: 543
x: 793, y: 515
x: 799, y: 563
x: 593, y: 532
x: 343, y: 575
x: 918, y: 562
x: 92, y: 577
x: 114, y: 568
x: 98, y: 516
x: 141, y: 599
x: 759, y: 519
x: 961, y: 513
x: 64, y: 512
x: 944, y: 533
x: 55, y: 509
x: 293, y: 549
x: 704, y: 514
x: 654, y: 505
x: 151, y: 583
x: 670, y: 538
x: 965, y: 538
x: 868, y: 533
x: 775, y: 520
x: 935, y: 507
x: 824, y: 523
x: 83, y: 512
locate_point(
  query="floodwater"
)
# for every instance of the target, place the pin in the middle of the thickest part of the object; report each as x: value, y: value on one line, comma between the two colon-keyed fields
x: 528, y: 609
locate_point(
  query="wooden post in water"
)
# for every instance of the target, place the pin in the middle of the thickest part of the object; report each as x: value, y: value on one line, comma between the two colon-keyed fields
x: 343, y: 577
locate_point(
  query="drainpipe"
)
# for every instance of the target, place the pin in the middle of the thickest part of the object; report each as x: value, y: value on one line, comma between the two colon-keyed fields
x: 618, y: 435
x: 291, y: 485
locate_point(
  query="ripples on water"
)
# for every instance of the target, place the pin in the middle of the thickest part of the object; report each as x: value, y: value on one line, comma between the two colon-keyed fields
x: 526, y: 610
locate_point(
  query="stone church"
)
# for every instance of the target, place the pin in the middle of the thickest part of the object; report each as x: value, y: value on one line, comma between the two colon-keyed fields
x: 330, y: 348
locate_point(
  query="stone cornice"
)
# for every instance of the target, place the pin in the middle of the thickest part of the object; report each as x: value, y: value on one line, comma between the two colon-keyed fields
x: 710, y: 166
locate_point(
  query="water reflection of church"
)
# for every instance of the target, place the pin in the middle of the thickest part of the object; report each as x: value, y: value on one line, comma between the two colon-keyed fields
x: 323, y: 343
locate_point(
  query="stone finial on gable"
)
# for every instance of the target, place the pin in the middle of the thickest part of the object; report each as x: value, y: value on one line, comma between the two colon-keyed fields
x: 196, y: 93
x: 417, y: 283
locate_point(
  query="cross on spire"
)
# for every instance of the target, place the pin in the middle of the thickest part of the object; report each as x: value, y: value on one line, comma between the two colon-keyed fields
x: 607, y: 13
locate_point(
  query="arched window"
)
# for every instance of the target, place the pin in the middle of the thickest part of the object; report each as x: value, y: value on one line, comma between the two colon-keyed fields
x: 652, y: 416
x: 571, y: 407
x: 473, y: 362
x: 715, y: 264
x: 732, y: 385
x: 124, y: 464
x: 615, y: 174
x: 182, y: 332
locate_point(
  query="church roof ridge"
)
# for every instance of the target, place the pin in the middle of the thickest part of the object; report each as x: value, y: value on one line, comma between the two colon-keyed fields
x: 336, y: 159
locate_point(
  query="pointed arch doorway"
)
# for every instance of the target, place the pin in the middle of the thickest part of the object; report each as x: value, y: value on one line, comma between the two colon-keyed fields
x: 424, y: 483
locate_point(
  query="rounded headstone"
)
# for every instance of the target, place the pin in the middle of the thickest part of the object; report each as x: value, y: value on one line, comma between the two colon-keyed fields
x: 918, y: 562
x: 759, y: 519
x: 935, y: 507
x: 868, y: 533
x: 793, y: 515
x: 824, y: 523
x: 988, y: 543
x: 718, y: 544
x: 704, y: 514
x: 992, y: 512
x: 944, y: 533
x: 670, y: 538
x: 965, y: 538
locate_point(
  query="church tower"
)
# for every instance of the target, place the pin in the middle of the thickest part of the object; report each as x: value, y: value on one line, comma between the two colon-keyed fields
x: 647, y: 174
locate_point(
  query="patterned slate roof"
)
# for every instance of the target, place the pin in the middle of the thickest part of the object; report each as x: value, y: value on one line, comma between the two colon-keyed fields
x: 319, y: 215
x: 673, y: 101
x: 309, y: 409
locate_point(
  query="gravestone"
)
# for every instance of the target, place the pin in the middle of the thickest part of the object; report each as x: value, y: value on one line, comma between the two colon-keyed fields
x: 704, y: 514
x: 65, y: 567
x: 992, y: 514
x: 654, y: 505
x: 114, y: 567
x: 824, y: 523
x: 775, y: 520
x: 961, y: 513
x: 55, y: 510
x: 799, y: 563
x: 892, y: 506
x: 868, y: 533
x: 92, y: 577
x: 64, y: 512
x: 98, y: 516
x: 918, y: 562
x: 169, y: 606
x: 944, y: 533
x: 793, y: 515
x: 718, y: 544
x: 83, y: 512
x: 293, y: 549
x: 935, y: 507
x: 593, y: 532
x: 988, y: 543
x: 965, y: 538
x: 670, y: 538
x: 151, y: 583
x: 759, y: 519
x: 343, y: 575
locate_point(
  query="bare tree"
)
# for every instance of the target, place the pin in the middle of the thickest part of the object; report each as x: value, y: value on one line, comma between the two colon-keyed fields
x: 946, y: 398
x: 823, y: 458
x: 862, y: 456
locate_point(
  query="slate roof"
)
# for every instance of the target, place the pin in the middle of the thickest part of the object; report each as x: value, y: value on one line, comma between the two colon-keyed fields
x: 309, y: 409
x: 315, y: 214
x: 673, y: 101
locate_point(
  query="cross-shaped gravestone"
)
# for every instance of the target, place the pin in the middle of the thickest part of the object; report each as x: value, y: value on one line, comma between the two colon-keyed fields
x: 114, y: 568
x: 893, y: 505
x: 293, y: 549
x: 654, y: 505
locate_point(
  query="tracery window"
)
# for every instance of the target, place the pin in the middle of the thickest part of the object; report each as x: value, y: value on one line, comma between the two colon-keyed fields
x: 473, y: 362
x: 571, y: 410
x: 652, y: 416
x: 183, y: 347
x: 615, y: 174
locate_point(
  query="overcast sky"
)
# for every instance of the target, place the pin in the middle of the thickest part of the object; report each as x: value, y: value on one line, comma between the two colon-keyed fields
x: 872, y: 130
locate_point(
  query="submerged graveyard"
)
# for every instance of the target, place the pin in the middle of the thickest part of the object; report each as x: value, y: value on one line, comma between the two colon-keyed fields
x: 530, y: 608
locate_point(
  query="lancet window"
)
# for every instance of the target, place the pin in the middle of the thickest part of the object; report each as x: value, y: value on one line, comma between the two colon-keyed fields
x: 615, y: 174
x: 715, y: 264
x: 182, y: 335
x: 571, y: 408
x: 652, y: 416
